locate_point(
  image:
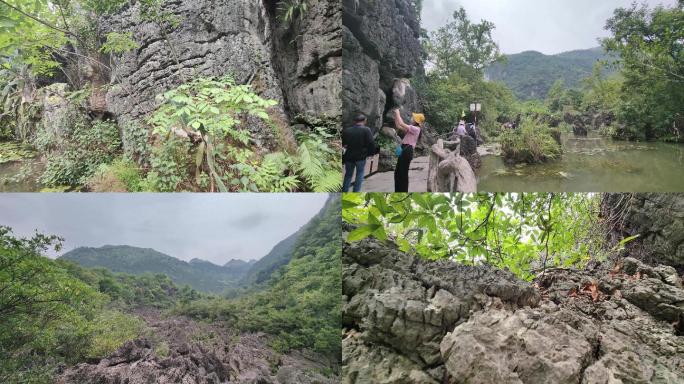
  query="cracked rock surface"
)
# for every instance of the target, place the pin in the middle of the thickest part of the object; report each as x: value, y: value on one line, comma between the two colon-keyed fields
x: 198, y: 353
x: 296, y: 64
x: 414, y: 321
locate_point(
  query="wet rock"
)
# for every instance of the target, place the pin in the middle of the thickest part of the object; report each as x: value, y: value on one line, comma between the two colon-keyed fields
x: 658, y: 219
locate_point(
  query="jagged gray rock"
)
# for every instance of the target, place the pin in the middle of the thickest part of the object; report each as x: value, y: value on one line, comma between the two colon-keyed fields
x: 380, y: 46
x: 414, y: 321
x: 658, y: 219
x: 196, y: 353
x: 406, y: 306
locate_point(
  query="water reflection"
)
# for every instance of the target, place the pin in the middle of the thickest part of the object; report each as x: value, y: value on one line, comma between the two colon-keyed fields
x: 592, y: 164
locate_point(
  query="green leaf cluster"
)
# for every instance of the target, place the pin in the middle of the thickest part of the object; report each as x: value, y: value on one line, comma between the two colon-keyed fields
x: 524, y: 233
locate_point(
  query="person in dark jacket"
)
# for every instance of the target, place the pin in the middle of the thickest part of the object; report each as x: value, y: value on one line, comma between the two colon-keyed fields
x: 358, y: 145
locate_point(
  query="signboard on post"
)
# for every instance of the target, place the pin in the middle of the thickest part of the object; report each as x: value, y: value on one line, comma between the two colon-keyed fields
x: 475, y: 108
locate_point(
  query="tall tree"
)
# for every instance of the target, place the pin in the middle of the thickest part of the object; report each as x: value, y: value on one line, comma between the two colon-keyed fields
x: 650, y: 43
x: 463, y: 42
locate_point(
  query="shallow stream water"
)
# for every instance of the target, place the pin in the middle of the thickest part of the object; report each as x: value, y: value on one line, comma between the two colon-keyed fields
x: 592, y: 164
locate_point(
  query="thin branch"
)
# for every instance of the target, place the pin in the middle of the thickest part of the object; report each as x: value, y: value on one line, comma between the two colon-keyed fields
x: 45, y: 23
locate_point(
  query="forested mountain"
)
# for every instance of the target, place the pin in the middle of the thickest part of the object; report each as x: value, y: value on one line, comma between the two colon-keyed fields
x: 531, y: 74
x: 280, y: 255
x: 301, y: 301
x: 199, y: 274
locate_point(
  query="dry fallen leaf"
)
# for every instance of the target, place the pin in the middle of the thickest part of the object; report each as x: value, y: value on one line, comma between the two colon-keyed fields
x: 592, y: 288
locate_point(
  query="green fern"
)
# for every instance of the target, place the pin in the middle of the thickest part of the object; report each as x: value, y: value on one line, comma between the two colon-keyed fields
x: 290, y: 9
x: 315, y: 165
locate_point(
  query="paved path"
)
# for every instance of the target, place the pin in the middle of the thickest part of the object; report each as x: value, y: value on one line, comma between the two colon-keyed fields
x: 384, y: 182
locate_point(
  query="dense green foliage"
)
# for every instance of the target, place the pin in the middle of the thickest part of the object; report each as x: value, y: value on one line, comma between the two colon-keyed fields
x: 530, y: 75
x: 213, y: 113
x: 301, y: 304
x: 533, y: 142
x: 458, y: 53
x: 199, y: 138
x: 54, y: 312
x: 74, y: 158
x: 462, y: 45
x: 650, y: 43
x: 524, y: 233
x: 201, y: 275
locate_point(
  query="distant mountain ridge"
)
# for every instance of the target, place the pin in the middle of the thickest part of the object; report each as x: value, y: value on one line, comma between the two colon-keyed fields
x: 531, y: 74
x: 200, y: 274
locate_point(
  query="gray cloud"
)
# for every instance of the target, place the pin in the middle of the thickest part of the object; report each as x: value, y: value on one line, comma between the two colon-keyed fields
x: 250, y: 221
x: 546, y: 26
x: 213, y: 227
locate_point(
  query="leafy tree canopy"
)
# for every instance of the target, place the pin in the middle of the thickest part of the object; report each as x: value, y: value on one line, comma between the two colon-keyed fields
x: 525, y: 233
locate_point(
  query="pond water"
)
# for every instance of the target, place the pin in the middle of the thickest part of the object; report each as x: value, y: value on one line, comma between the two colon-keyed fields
x: 16, y: 159
x: 592, y: 164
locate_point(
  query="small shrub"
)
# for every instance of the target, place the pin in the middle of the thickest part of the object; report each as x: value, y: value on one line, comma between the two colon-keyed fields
x: 162, y: 349
x: 532, y: 143
x: 110, y: 329
x: 74, y: 159
x: 168, y: 166
x: 119, y: 176
x: 135, y: 143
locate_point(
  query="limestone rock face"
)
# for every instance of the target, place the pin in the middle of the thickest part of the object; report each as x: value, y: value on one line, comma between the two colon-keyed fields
x: 413, y: 321
x: 400, y: 308
x: 658, y: 219
x: 296, y: 63
x: 307, y: 56
x: 380, y: 45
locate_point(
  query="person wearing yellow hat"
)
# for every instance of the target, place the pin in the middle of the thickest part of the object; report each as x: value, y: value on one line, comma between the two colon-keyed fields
x: 412, y: 133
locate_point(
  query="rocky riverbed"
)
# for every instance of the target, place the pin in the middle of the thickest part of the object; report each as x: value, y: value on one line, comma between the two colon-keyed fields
x: 180, y: 350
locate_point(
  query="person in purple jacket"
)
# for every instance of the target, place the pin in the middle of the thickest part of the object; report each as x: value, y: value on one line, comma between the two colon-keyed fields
x: 408, y: 145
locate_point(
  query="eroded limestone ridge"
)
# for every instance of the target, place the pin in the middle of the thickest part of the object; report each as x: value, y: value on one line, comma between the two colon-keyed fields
x: 409, y: 320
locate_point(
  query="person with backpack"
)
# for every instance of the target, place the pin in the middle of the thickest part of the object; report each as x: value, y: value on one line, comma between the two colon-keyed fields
x: 358, y: 144
x: 411, y: 134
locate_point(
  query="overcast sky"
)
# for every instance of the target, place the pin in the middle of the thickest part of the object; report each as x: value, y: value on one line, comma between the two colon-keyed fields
x: 547, y: 26
x: 213, y: 227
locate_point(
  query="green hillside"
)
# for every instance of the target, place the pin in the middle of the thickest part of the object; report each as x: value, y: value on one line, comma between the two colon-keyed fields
x: 531, y: 74
x: 199, y: 274
x: 301, y: 302
x: 280, y: 255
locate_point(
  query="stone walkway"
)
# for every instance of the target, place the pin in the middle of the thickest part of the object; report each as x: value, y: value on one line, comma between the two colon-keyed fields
x: 384, y: 182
